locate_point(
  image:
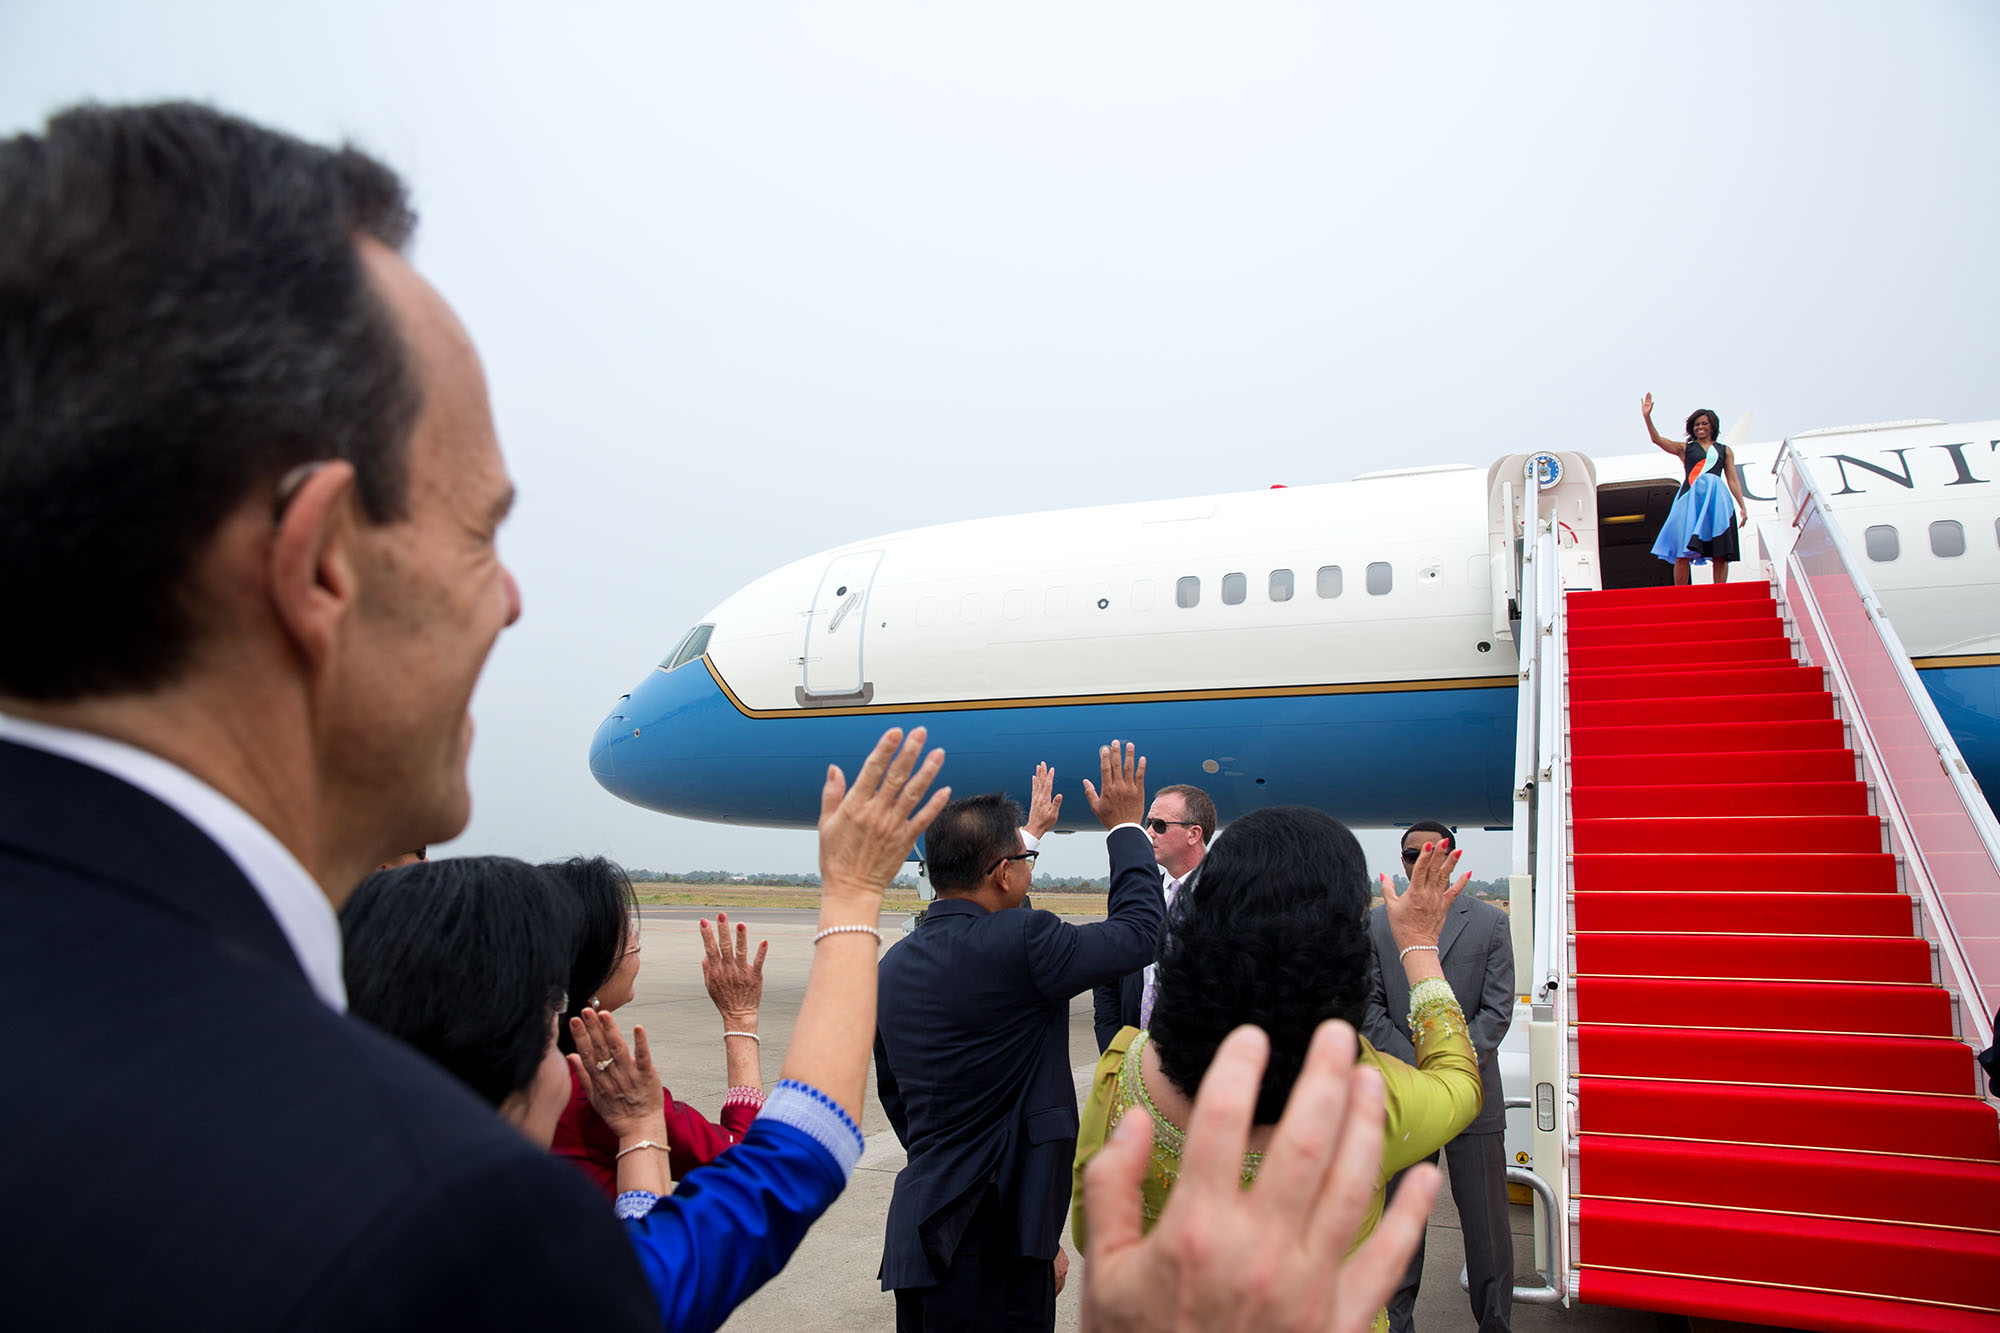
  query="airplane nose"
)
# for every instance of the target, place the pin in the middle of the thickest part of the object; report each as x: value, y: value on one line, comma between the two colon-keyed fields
x: 616, y: 727
x: 669, y: 746
x: 681, y: 745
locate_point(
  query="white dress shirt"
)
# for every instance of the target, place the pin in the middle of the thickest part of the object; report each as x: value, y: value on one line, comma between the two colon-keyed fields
x: 1149, y: 991
x: 300, y: 908
x: 1030, y: 843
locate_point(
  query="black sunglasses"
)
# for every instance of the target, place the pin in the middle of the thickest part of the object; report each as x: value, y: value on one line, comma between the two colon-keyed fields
x: 1410, y: 854
x: 1029, y: 857
x: 1161, y: 825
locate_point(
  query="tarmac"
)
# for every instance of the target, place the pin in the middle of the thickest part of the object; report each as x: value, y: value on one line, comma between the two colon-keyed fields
x: 831, y: 1282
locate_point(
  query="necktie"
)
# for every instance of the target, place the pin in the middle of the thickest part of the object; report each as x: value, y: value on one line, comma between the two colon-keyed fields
x: 1152, y: 982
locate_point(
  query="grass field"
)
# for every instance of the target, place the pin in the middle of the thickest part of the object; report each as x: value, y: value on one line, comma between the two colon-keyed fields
x: 897, y: 900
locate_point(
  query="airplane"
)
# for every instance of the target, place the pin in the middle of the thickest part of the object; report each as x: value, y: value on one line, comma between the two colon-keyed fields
x: 1345, y: 645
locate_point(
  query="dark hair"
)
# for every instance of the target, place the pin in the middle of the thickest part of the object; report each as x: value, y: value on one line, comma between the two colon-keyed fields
x: 1430, y: 826
x: 967, y: 837
x: 464, y: 960
x: 602, y: 895
x: 184, y: 318
x: 1714, y: 425
x: 1200, y: 810
x: 1271, y: 929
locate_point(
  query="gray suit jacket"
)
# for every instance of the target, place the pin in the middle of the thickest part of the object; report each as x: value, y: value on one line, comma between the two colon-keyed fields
x: 1476, y: 950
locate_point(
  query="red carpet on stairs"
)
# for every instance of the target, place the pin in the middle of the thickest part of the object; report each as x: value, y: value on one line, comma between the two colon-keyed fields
x: 1777, y: 1122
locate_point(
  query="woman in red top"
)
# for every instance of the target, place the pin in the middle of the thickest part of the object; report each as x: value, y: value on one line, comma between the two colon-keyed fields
x: 603, y: 974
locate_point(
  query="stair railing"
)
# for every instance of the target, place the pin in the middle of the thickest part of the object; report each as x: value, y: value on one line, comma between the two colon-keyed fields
x: 1538, y: 886
x: 1940, y: 819
x: 1548, y: 1021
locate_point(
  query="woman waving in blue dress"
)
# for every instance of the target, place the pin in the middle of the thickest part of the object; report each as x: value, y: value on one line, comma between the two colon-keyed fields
x: 1702, y: 525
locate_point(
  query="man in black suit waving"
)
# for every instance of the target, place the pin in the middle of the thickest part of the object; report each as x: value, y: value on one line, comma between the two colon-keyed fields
x: 972, y: 1058
x: 249, y: 488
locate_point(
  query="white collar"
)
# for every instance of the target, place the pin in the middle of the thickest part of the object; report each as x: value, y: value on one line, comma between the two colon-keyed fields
x: 300, y: 908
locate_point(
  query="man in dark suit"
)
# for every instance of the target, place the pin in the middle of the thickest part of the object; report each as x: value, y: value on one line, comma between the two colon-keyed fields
x: 248, y: 493
x: 972, y: 1058
x: 1476, y: 950
x: 1180, y: 825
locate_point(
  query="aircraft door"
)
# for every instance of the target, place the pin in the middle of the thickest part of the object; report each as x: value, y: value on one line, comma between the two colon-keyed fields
x: 834, y: 629
x: 1565, y: 493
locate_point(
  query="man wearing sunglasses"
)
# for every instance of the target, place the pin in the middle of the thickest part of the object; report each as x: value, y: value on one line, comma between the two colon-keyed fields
x: 1181, y: 824
x: 1476, y: 950
x: 972, y: 1057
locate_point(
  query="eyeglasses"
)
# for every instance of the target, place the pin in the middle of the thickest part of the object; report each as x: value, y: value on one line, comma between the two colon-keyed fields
x: 1029, y: 857
x: 1410, y: 854
x: 282, y: 495
x: 1161, y: 825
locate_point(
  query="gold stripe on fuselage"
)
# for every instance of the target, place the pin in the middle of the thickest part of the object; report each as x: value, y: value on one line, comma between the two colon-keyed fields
x: 1141, y: 697
x: 1963, y: 660
x: 1192, y: 696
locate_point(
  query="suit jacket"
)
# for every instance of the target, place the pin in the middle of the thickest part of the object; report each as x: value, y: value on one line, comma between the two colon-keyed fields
x: 1114, y: 1005
x: 1476, y: 950
x: 193, y: 1139
x: 972, y: 1063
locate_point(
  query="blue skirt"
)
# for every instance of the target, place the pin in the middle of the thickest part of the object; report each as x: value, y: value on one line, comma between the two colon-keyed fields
x: 1702, y: 524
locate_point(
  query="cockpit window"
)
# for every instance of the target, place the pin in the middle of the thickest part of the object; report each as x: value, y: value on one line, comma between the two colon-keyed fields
x: 692, y: 647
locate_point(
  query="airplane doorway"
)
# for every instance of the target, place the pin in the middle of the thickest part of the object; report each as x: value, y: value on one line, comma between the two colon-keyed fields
x: 1629, y: 518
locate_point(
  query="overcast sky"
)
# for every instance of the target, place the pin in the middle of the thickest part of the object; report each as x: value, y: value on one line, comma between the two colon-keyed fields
x: 755, y: 280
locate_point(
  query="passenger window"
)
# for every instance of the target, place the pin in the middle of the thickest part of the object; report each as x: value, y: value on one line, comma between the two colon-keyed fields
x: 1234, y: 586
x: 1329, y: 580
x: 1281, y: 585
x: 1380, y: 578
x: 1947, y: 537
x: 1882, y: 543
x: 1188, y: 592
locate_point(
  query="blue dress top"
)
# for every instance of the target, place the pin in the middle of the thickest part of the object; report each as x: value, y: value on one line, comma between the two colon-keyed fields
x: 728, y: 1228
x: 1702, y: 524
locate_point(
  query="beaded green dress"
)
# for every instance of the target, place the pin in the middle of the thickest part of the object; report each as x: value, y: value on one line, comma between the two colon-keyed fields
x: 1426, y: 1106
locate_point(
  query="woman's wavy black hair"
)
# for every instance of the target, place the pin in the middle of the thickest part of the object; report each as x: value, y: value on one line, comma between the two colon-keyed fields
x: 1714, y: 425
x: 464, y: 960
x: 602, y: 894
x: 1273, y: 930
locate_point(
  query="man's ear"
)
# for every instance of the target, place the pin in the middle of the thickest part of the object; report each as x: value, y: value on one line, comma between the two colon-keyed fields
x: 312, y: 571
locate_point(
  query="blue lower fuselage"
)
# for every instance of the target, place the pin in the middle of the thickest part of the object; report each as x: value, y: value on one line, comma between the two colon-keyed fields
x: 679, y: 744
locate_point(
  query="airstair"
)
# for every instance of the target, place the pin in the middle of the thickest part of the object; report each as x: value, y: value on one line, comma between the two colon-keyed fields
x: 1765, y: 897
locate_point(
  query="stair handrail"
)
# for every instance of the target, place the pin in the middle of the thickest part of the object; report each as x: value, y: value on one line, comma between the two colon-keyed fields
x: 1803, y: 497
x: 1527, y: 646
x: 1539, y: 879
x: 1549, y: 1012
x: 1551, y: 778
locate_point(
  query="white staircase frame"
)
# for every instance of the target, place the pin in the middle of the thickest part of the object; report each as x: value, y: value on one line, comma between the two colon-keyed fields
x: 1803, y: 522
x: 1539, y: 886
x: 1541, y: 877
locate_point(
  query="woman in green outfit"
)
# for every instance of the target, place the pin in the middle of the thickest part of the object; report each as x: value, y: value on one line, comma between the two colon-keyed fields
x: 1272, y: 930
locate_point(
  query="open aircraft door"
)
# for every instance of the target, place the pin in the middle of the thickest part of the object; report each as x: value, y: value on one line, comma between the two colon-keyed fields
x: 1564, y: 487
x: 834, y: 630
